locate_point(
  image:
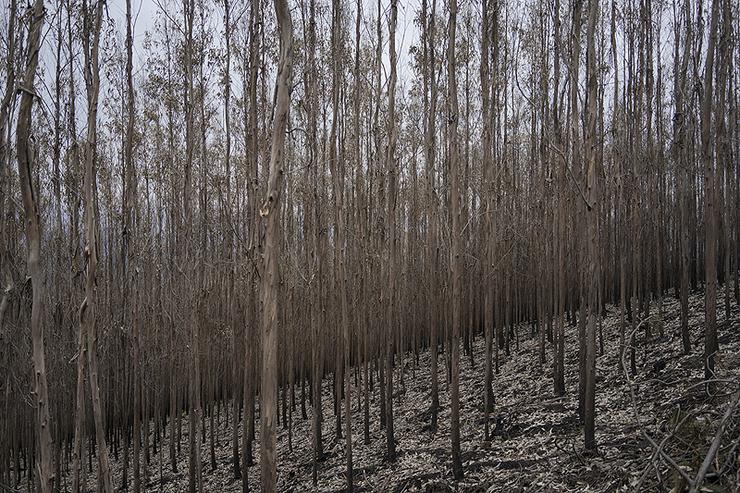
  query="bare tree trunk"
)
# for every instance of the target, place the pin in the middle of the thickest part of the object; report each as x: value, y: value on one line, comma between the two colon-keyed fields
x: 456, y: 251
x: 560, y: 288
x: 236, y: 374
x: 724, y: 154
x: 271, y: 211
x: 391, y: 318
x: 128, y: 237
x: 79, y: 432
x: 192, y: 319
x: 488, y: 223
x: 87, y: 313
x: 711, y: 345
x: 592, y: 194
x: 363, y: 276
x: 174, y: 409
x: 251, y: 343
x: 33, y: 238
x: 617, y: 163
x: 311, y: 81
x: 432, y: 214
x: 340, y: 249
x: 680, y: 152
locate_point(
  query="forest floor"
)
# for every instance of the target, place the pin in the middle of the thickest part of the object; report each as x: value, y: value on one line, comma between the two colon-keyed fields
x: 538, y: 442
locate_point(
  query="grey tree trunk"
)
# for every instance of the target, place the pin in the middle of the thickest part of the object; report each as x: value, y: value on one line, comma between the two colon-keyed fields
x: 270, y: 289
x: 33, y: 239
x: 456, y: 251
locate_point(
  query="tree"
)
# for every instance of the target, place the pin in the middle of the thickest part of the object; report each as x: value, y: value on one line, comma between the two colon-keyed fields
x: 391, y: 199
x: 270, y: 210
x: 592, y: 194
x: 92, y: 23
x: 456, y: 198
x: 237, y: 376
x: 129, y: 237
x: 251, y: 138
x: 340, y: 248
x: 680, y: 153
x: 33, y: 239
x: 430, y: 103
x: 711, y: 345
x: 559, y: 335
x: 488, y: 223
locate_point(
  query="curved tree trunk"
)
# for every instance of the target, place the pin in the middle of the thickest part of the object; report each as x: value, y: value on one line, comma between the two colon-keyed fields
x: 33, y: 239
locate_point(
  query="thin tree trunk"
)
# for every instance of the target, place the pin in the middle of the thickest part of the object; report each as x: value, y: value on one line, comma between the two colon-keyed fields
x: 391, y: 319
x: 592, y: 194
x: 128, y: 238
x: 432, y: 213
x: 711, y: 345
x: 488, y: 223
x: 456, y: 198
x: 33, y: 238
x: 271, y: 211
x: 88, y: 309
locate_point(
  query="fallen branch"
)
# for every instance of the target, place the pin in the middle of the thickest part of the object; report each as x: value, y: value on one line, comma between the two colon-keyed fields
x: 658, y: 451
x: 714, y: 447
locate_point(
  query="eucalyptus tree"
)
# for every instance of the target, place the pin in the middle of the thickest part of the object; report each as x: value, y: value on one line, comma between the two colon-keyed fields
x: 391, y: 321
x: 270, y: 210
x: 128, y: 239
x: 29, y: 194
x: 456, y: 198
x: 711, y: 345
x: 92, y: 24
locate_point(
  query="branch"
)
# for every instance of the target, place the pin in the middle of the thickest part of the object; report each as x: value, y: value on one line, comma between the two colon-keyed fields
x: 715, y: 445
x: 659, y: 450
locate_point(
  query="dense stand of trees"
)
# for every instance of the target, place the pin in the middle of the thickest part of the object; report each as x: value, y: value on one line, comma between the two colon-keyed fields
x: 200, y: 244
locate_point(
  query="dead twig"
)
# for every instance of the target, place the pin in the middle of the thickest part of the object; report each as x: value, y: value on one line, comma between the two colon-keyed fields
x: 658, y: 451
x: 714, y: 447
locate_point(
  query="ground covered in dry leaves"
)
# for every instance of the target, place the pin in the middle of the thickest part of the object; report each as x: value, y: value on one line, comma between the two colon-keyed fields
x: 539, y: 442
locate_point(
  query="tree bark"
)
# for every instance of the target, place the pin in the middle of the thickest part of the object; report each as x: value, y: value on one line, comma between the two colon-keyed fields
x: 456, y: 251
x: 592, y: 194
x: 391, y: 199
x: 26, y: 162
x: 711, y: 345
x: 432, y: 213
x: 271, y: 212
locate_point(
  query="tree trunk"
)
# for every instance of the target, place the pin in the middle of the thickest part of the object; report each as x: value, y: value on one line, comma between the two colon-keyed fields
x: 271, y: 211
x: 26, y: 160
x: 711, y: 345
x: 456, y: 198
x: 592, y: 194
x: 88, y: 309
x: 391, y: 198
